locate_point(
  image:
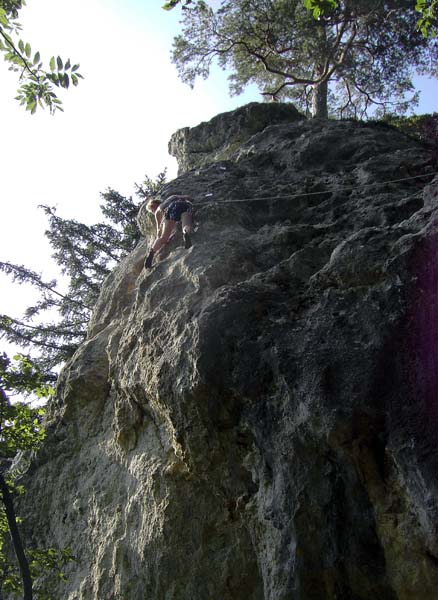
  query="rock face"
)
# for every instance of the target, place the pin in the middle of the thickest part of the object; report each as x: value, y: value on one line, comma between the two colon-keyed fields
x: 255, y: 418
x: 220, y: 137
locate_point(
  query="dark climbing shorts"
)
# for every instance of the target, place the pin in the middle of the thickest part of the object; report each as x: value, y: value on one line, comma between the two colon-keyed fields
x: 176, y: 208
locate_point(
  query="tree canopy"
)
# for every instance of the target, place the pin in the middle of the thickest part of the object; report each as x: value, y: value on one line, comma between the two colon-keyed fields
x: 37, y: 81
x: 357, y: 55
x: 427, y: 22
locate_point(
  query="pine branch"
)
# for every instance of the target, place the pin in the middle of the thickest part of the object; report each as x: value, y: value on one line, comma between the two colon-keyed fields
x: 22, y: 274
x: 54, y: 328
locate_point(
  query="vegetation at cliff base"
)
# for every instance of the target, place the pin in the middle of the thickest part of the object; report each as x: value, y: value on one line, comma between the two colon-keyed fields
x: 21, y: 431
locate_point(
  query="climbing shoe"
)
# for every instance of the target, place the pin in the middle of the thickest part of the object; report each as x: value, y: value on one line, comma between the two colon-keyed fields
x: 187, y: 240
x: 149, y: 259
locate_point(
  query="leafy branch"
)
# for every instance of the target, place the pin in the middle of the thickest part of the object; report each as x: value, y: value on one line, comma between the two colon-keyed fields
x: 427, y: 23
x: 21, y: 430
x: 36, y: 81
x: 185, y: 4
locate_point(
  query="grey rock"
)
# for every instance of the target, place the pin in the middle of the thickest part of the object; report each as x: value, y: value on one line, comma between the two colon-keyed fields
x: 255, y: 417
x: 214, y: 141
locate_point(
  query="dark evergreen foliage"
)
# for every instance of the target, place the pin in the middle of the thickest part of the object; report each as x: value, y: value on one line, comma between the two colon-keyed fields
x: 55, y: 325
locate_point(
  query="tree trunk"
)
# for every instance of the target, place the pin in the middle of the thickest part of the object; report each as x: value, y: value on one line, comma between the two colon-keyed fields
x: 319, y: 100
x: 16, y: 539
x: 320, y: 90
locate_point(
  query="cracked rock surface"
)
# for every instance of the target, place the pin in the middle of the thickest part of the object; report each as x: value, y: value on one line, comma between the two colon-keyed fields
x: 255, y: 418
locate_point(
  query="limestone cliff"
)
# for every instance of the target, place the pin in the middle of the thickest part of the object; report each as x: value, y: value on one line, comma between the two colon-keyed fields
x: 256, y: 417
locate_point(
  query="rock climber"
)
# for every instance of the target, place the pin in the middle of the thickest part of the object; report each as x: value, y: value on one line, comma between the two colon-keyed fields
x: 167, y: 214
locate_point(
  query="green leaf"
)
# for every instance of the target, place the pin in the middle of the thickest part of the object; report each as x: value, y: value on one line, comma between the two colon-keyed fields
x: 67, y: 65
x: 21, y: 45
x: 320, y: 7
x: 52, y: 64
x: 64, y: 80
x: 27, y: 50
x: 8, y: 39
x: 59, y: 63
x: 54, y: 78
x: 36, y: 58
x: 3, y: 18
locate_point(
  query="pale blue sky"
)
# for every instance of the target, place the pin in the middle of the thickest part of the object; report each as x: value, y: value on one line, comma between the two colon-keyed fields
x: 116, y: 124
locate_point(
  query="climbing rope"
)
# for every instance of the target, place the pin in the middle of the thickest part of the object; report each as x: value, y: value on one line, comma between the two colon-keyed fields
x: 328, y: 191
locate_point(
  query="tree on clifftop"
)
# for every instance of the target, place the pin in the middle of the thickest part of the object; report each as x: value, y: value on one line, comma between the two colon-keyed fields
x: 356, y: 55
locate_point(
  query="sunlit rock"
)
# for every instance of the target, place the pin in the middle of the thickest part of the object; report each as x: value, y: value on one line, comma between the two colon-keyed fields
x: 256, y: 417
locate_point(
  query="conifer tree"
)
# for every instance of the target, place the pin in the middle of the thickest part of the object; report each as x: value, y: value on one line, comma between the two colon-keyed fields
x: 55, y: 325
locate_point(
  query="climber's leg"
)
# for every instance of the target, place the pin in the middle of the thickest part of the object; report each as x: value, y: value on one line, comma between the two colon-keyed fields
x: 166, y: 232
x: 165, y: 235
x: 186, y: 222
x: 187, y: 226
